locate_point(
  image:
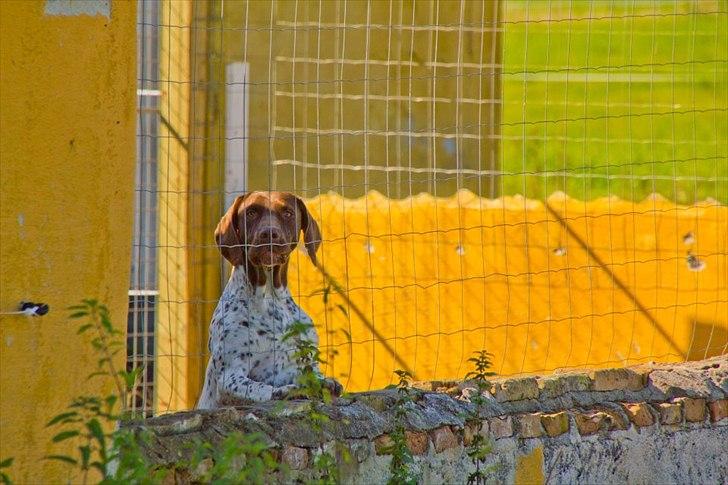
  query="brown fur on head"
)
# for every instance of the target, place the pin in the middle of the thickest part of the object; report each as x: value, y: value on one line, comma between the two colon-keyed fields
x: 261, y: 229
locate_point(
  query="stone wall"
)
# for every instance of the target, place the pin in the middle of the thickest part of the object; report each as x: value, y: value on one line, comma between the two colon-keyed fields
x: 650, y: 424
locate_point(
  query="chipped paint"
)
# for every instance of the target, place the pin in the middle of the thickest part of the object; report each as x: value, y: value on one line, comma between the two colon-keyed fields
x: 78, y: 7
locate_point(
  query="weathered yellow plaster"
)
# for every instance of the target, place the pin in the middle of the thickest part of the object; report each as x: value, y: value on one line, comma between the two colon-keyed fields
x: 67, y: 182
x: 529, y: 468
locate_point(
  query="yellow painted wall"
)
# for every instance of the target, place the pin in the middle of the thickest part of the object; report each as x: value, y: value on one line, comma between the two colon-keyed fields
x: 66, y: 184
x: 439, y: 279
x: 529, y: 468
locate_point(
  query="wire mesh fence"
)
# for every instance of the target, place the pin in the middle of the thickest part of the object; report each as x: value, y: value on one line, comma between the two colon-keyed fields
x: 546, y: 180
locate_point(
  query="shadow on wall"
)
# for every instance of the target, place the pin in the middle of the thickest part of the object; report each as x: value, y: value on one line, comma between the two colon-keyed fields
x: 709, y: 339
x: 440, y: 278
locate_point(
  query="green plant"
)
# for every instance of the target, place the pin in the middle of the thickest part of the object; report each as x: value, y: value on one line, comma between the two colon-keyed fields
x: 4, y: 477
x: 307, y: 355
x: 239, y: 459
x: 115, y: 456
x: 480, y: 447
x: 313, y: 386
x: 402, y: 464
x: 325, y: 469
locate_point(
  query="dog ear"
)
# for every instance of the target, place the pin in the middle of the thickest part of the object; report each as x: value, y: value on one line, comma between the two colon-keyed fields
x: 227, y: 234
x: 311, y: 231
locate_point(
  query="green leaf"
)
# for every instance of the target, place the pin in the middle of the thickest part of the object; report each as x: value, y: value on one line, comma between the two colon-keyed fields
x: 64, y: 435
x: 130, y: 378
x: 83, y: 328
x: 106, y: 322
x: 61, y: 417
x: 85, y: 455
x: 95, y: 428
x: 343, y: 310
x: 78, y: 314
x: 64, y: 458
x: 6, y: 463
x: 327, y: 291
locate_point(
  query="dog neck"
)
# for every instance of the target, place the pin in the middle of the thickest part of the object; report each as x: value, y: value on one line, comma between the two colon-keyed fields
x: 261, y: 282
x: 257, y: 276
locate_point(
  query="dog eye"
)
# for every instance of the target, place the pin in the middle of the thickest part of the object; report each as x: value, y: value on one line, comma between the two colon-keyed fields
x: 287, y: 213
x: 250, y: 213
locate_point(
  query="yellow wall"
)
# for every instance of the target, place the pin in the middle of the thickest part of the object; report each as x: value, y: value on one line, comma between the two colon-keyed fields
x: 529, y: 468
x: 67, y: 180
x: 521, y: 286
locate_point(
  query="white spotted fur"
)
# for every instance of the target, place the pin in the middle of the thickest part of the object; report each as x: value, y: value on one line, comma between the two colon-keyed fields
x: 248, y: 357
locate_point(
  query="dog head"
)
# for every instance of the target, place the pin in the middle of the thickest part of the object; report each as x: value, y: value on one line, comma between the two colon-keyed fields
x: 261, y: 229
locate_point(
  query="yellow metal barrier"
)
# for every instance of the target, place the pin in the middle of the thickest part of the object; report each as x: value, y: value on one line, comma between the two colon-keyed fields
x: 543, y: 286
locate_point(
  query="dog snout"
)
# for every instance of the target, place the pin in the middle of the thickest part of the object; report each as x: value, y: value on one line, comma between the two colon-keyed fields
x: 270, y: 235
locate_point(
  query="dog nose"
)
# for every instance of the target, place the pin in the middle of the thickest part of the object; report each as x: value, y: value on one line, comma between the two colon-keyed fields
x: 270, y: 235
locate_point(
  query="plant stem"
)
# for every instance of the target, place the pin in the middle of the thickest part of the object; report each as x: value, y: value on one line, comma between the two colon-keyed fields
x: 109, y: 361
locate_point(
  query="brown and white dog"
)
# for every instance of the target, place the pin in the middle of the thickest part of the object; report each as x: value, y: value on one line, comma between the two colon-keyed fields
x: 249, y: 360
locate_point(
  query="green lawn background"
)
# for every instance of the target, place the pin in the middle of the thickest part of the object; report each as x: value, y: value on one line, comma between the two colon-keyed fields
x: 617, y: 98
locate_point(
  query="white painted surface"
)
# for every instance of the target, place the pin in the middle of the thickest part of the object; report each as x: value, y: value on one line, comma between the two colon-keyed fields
x: 236, y: 130
x: 78, y: 7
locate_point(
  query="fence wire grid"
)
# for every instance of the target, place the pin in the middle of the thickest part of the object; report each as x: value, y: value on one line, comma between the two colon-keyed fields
x: 546, y: 180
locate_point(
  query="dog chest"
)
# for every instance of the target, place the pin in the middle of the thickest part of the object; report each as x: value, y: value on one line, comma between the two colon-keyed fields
x: 249, y: 327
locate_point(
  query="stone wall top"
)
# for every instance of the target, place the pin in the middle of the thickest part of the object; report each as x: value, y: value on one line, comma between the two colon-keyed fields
x: 598, y: 401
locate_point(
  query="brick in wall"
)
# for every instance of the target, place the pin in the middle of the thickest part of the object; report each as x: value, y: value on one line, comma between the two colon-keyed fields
x: 516, y: 389
x: 694, y: 409
x: 718, y: 410
x: 670, y: 412
x: 529, y: 425
x: 619, y: 379
x: 555, y: 424
x: 501, y: 427
x: 443, y: 439
x: 639, y: 414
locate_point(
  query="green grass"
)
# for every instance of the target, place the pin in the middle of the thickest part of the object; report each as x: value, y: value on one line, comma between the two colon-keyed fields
x: 633, y: 99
